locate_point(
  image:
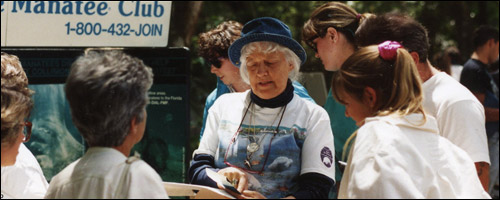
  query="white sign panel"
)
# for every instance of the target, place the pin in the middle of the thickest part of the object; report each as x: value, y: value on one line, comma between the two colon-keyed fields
x: 85, y: 23
x: 4, y: 21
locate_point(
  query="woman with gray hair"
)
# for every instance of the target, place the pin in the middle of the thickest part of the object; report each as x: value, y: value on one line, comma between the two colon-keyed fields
x: 268, y: 142
x: 107, y: 94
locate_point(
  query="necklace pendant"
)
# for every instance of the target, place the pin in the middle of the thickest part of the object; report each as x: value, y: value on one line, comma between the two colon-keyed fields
x: 252, y: 147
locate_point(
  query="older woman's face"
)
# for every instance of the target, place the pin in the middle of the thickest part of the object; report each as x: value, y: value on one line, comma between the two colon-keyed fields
x: 268, y: 73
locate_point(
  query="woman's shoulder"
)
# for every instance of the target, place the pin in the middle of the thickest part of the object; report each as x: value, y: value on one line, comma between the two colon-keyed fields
x: 376, y: 129
x: 231, y: 98
x: 392, y: 133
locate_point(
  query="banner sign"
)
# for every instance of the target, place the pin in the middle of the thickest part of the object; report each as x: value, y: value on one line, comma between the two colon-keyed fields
x: 85, y: 23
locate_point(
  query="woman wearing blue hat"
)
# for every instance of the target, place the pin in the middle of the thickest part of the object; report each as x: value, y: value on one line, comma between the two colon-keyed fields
x: 268, y: 142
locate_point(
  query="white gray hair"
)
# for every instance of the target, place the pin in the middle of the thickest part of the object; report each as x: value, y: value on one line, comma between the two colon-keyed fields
x: 268, y: 47
x: 105, y: 90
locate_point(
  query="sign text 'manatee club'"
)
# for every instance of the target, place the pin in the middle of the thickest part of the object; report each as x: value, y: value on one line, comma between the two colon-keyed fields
x: 140, y: 9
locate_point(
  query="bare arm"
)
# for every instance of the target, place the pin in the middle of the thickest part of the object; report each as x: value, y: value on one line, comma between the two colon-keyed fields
x: 483, y: 171
x: 490, y: 113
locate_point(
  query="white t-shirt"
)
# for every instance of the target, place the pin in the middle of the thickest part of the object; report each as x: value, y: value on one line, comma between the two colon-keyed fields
x: 303, y: 144
x: 460, y: 116
x: 398, y: 157
x: 25, y: 179
x: 99, y: 175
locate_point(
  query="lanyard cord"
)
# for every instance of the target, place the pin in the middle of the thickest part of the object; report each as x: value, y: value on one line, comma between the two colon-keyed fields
x: 346, y: 144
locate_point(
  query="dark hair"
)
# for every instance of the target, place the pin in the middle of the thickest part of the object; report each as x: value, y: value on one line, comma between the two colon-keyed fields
x: 396, y: 27
x: 454, y: 55
x: 215, y: 43
x: 483, y: 34
x: 442, y: 62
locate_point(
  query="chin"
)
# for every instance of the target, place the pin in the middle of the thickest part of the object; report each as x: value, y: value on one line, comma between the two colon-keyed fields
x: 264, y: 95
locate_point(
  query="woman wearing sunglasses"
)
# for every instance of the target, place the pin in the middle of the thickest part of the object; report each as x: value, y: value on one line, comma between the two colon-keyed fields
x: 268, y: 142
x: 22, y: 176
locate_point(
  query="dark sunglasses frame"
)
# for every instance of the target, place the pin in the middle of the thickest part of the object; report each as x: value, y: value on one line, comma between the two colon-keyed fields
x: 215, y: 62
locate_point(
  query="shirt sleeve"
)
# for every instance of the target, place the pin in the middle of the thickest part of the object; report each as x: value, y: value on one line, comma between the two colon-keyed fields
x: 317, y: 151
x: 145, y: 183
x: 203, y: 157
x: 210, y: 140
x: 470, y: 136
x: 473, y: 78
x: 313, y: 186
x: 197, y: 173
x: 208, y: 104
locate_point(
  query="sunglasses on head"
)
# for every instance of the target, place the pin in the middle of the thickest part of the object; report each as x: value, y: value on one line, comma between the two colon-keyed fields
x: 215, y: 62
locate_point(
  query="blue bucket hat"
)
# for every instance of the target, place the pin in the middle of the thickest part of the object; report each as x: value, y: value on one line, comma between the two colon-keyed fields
x: 265, y: 29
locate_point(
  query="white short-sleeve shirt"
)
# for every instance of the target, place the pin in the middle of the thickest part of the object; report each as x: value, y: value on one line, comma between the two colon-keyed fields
x: 101, y: 174
x: 460, y: 116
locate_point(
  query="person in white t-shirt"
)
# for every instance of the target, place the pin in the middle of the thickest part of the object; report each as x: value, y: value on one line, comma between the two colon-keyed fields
x: 459, y: 114
x: 22, y: 176
x: 107, y: 93
x: 267, y: 141
x: 397, y: 151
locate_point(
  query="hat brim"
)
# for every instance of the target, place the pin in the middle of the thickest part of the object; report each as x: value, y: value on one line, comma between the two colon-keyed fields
x: 235, y: 48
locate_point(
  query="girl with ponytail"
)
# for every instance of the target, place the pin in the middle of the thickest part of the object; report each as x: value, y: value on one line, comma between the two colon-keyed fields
x: 397, y: 151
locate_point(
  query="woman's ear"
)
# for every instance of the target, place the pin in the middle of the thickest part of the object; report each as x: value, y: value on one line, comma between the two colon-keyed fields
x: 370, y: 96
x: 133, y: 126
x: 415, y: 56
x: 332, y: 34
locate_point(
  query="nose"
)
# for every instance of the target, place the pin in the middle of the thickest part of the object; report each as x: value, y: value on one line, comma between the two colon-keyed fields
x: 346, y: 113
x: 213, y: 69
x: 261, y: 70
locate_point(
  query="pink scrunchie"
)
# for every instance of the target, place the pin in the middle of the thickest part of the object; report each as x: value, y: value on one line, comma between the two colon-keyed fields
x: 388, y: 50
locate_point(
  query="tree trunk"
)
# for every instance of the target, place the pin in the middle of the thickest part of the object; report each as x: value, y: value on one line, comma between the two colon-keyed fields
x: 183, y: 22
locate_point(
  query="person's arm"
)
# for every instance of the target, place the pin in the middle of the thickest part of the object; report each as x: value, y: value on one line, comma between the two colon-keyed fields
x: 313, y: 186
x: 463, y: 123
x: 490, y: 113
x: 483, y: 171
x: 197, y: 173
x: 203, y: 157
x: 208, y: 104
